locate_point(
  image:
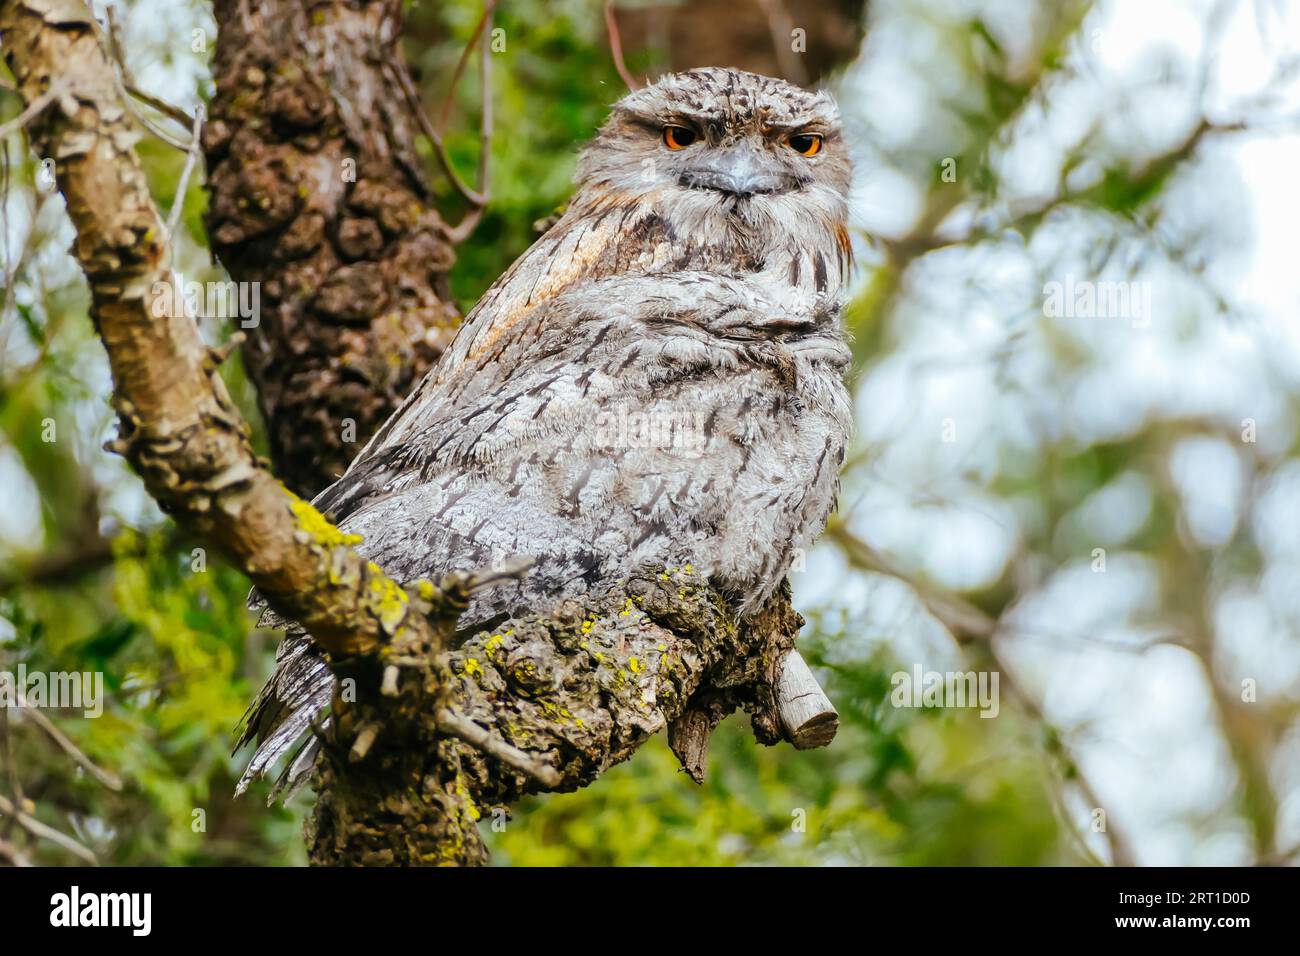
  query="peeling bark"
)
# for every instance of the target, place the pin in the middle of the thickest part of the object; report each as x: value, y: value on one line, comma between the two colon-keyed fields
x: 318, y: 194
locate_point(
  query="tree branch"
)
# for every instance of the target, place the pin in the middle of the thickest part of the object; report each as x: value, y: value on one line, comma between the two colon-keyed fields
x: 40, y: 830
x: 557, y: 699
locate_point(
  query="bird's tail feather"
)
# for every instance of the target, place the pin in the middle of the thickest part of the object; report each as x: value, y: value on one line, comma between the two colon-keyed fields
x: 296, y: 696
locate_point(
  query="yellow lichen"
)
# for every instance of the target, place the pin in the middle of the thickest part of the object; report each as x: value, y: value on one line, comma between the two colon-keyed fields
x: 317, y: 527
x: 463, y: 792
x: 387, y: 599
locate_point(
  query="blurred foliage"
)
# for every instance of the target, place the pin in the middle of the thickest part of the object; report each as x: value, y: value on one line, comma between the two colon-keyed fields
x: 170, y: 643
x: 897, y: 787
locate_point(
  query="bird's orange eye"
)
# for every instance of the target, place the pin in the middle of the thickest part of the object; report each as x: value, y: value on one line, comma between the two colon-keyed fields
x: 809, y: 144
x: 678, y: 137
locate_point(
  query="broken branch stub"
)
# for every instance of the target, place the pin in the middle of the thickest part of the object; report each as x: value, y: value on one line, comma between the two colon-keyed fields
x: 808, y: 718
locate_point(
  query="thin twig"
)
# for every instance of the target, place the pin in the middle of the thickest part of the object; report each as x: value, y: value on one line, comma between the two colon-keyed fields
x: 191, y: 158
x: 467, y: 225
x: 117, y: 53
x: 1068, y: 825
x: 38, y: 829
x: 485, y: 119
x: 616, y: 46
x: 30, y: 244
x: 477, y: 198
x: 15, y: 784
x: 13, y: 854
x: 171, y: 110
x: 109, y: 779
x: 126, y: 85
x: 412, y: 98
x: 963, y: 620
x: 507, y: 571
x: 33, y: 109
x: 445, y: 115
x: 470, y: 732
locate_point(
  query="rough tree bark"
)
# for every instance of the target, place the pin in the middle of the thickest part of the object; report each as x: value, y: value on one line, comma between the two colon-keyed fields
x: 435, y: 731
x: 318, y: 194
x: 575, y: 691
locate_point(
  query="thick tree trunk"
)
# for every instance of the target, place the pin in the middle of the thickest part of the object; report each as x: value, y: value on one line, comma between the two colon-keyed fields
x: 318, y: 194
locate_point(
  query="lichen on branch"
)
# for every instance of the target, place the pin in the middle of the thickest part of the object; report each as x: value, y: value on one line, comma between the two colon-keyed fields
x: 575, y: 690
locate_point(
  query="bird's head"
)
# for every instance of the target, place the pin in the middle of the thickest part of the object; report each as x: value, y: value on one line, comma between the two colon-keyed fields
x: 723, y: 149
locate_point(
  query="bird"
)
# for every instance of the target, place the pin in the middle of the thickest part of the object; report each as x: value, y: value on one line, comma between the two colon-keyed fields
x: 658, y: 380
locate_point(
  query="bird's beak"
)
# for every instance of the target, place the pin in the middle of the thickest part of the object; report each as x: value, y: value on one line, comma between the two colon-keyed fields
x: 738, y: 171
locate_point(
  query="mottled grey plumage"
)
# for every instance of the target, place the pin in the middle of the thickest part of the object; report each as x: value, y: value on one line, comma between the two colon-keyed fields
x: 659, y: 379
